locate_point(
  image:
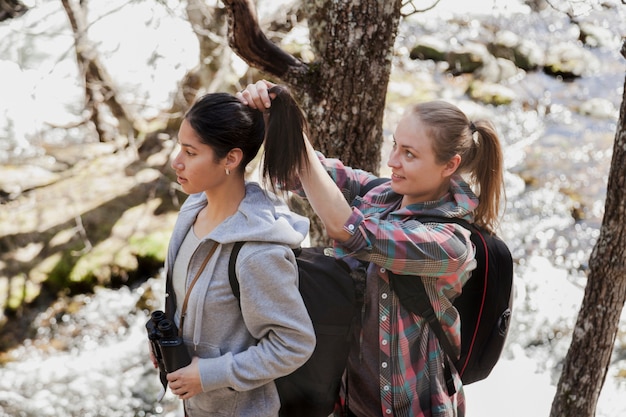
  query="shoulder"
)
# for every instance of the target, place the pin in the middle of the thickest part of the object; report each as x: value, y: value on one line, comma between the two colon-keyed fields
x: 273, y: 261
x: 264, y: 252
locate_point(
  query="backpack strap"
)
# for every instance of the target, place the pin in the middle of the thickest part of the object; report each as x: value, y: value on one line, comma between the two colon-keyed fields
x: 412, y: 295
x: 232, y: 275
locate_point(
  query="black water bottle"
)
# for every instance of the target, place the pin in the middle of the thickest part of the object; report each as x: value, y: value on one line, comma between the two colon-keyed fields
x: 173, y: 350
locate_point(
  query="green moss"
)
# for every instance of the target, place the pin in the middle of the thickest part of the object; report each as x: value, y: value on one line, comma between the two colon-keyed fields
x: 58, y: 277
x: 152, y: 246
x: 17, y: 292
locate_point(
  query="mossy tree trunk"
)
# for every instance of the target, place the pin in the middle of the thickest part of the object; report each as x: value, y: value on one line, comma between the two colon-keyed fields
x: 589, y: 355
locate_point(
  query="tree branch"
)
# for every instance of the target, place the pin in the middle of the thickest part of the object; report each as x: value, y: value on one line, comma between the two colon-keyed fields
x: 416, y: 10
x: 10, y: 9
x: 99, y: 87
x: 247, y: 39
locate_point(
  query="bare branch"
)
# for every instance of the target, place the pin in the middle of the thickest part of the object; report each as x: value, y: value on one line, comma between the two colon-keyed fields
x: 569, y: 8
x: 415, y: 9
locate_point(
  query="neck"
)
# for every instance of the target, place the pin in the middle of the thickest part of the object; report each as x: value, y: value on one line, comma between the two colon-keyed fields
x: 223, y: 202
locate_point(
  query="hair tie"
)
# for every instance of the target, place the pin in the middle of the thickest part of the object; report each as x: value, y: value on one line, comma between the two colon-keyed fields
x: 472, y: 127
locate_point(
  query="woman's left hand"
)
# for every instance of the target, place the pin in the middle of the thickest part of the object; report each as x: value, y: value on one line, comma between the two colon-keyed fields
x: 185, y: 382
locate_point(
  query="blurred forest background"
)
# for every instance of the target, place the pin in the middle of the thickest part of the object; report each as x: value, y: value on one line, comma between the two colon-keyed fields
x: 92, y: 95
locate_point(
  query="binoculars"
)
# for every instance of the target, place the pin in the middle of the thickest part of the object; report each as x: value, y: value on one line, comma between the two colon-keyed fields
x: 167, y: 346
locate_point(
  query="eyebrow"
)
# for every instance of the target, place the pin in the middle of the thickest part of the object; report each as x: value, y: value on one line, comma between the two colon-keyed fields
x: 186, y: 145
x: 415, y: 150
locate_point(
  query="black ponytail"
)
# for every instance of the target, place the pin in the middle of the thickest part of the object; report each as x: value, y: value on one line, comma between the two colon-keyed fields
x: 285, y: 146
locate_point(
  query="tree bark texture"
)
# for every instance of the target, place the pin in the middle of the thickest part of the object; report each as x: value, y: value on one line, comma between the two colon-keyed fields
x: 343, y: 90
x: 589, y: 355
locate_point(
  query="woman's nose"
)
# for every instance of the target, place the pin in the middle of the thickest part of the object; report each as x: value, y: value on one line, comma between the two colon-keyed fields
x: 392, y: 161
x: 176, y: 164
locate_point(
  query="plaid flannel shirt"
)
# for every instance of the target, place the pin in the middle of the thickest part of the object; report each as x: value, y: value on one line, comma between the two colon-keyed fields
x: 410, y: 360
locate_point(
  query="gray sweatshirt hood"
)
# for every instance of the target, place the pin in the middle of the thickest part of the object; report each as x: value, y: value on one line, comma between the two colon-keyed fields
x: 261, y: 217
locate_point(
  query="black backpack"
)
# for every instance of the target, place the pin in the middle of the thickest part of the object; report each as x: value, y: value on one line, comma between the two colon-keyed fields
x: 484, y: 305
x: 327, y: 286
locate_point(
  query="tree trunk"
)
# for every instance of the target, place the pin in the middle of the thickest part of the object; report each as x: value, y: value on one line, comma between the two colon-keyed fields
x: 99, y: 87
x: 342, y: 91
x: 589, y: 355
x: 346, y: 95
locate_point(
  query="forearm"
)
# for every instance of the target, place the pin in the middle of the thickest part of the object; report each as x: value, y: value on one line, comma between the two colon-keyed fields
x: 325, y: 197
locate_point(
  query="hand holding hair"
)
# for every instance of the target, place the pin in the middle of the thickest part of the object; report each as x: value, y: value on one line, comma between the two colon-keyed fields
x: 256, y: 95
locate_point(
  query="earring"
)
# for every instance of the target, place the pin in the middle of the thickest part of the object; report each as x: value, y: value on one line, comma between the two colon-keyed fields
x: 227, y: 171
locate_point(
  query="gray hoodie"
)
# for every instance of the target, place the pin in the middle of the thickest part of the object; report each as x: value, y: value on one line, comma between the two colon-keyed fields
x: 243, y: 349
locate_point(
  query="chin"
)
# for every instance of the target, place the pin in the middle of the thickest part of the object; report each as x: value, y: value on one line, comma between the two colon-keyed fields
x: 396, y: 189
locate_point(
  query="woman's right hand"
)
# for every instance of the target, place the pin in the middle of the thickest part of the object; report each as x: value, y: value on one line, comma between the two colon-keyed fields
x: 256, y: 95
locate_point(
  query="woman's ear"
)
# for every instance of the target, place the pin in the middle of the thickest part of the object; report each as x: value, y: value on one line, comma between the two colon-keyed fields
x: 451, y: 166
x: 233, y: 159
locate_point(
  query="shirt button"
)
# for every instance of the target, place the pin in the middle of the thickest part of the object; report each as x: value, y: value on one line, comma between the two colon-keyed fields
x: 384, y: 365
x: 382, y: 270
x: 383, y: 318
x: 384, y: 296
x: 386, y: 388
x: 387, y: 411
x: 350, y: 227
x: 384, y: 342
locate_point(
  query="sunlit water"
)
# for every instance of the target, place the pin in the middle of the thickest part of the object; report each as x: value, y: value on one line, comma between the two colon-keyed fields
x: 94, y: 362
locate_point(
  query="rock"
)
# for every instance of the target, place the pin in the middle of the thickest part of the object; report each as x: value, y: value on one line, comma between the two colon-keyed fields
x: 526, y: 54
x: 599, y: 108
x: 491, y: 93
x: 430, y: 47
x: 570, y: 61
x: 595, y: 36
x: 468, y: 58
x: 497, y: 70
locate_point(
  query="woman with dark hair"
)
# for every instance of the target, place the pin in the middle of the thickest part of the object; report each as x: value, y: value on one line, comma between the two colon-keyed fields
x: 396, y: 365
x: 237, y: 348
